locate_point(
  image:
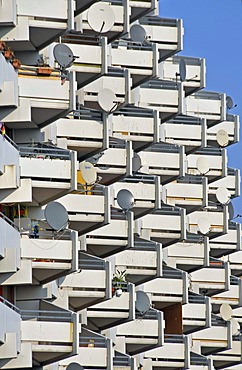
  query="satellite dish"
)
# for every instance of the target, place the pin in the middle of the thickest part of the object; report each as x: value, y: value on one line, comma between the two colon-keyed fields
x: 142, y: 303
x: 229, y: 102
x: 74, y: 366
x: 138, y: 33
x: 222, y: 138
x: 125, y: 199
x: 136, y: 162
x: 203, y: 225
x: 231, y: 211
x: 56, y: 216
x: 226, y: 311
x: 182, y: 70
x: 235, y: 326
x: 101, y: 17
x: 63, y: 55
x: 107, y: 99
x: 202, y: 165
x: 222, y: 195
x: 89, y: 173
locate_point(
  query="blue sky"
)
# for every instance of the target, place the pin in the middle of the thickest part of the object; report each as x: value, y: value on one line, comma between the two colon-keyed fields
x: 213, y: 30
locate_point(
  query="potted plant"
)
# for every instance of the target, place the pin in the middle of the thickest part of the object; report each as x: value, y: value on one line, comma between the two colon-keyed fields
x: 43, y: 68
x: 8, y: 53
x: 2, y: 45
x: 118, y: 283
x: 16, y: 63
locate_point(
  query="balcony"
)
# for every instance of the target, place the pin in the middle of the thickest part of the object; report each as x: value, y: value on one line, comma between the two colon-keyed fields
x: 174, y: 354
x: 188, y: 255
x: 165, y: 225
x: 214, y: 339
x: 123, y: 361
x: 196, y: 314
x: 227, y: 244
x: 29, y: 27
x: 112, y: 238
x: 10, y: 331
x: 8, y: 86
x: 84, y: 130
x: 87, y: 209
x: 231, y: 182
x: 195, y: 72
x: 211, y: 280
x: 209, y: 162
x: 182, y: 130
x: 189, y: 192
x: 95, y: 351
x: 141, y: 263
x: 208, y: 105
x: 115, y: 162
x: 141, y: 126
x: 167, y: 290
x: 167, y: 33
x: 115, y: 311
x: 47, y: 172
x: 233, y: 296
x: 164, y: 160
x: 9, y: 247
x: 125, y: 54
x: 141, y: 334
x: 42, y: 99
x: 199, y: 362
x: 141, y: 8
x: 91, y: 285
x: 230, y: 126
x: 164, y: 96
x: 119, y: 24
x: 213, y: 221
x: 145, y: 190
x: 117, y: 81
x: 9, y: 164
x: 230, y: 357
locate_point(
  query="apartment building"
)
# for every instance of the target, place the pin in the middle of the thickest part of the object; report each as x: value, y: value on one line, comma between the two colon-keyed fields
x: 119, y: 249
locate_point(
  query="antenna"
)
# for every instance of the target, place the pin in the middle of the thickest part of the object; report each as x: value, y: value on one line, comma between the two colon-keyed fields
x: 101, y: 17
x: 138, y: 33
x: 226, y: 311
x: 56, y: 216
x: 63, y: 56
x: 142, y: 303
x: 88, y: 172
x: 74, y: 366
x: 203, y: 225
x: 222, y: 138
x: 223, y: 195
x: 202, y: 165
x: 107, y: 100
x: 125, y: 199
x: 229, y: 103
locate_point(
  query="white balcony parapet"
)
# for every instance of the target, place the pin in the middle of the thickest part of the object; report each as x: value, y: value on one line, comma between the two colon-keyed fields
x: 164, y: 160
x: 195, y: 72
x: 141, y: 126
x: 164, y: 96
x: 231, y: 182
x: 209, y: 162
x: 87, y: 209
x: 212, y: 279
x: 196, y: 314
x: 166, y: 33
x: 229, y: 243
x: 233, y: 296
x: 229, y: 358
x: 10, y: 331
x: 165, y: 225
x: 9, y: 246
x: 183, y: 130
x: 91, y: 285
x: 24, y: 25
x: 230, y: 125
x: 8, y: 86
x: 9, y: 164
x: 207, y: 104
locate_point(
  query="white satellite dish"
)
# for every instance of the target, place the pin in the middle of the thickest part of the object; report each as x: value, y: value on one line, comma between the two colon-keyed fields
x: 107, y: 100
x: 138, y: 33
x: 235, y: 326
x: 125, y: 199
x: 226, y: 311
x: 203, y: 165
x: 222, y: 138
x: 101, y: 17
x: 222, y: 195
x: 56, y: 216
x: 142, y: 303
x: 89, y: 173
x: 203, y: 225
